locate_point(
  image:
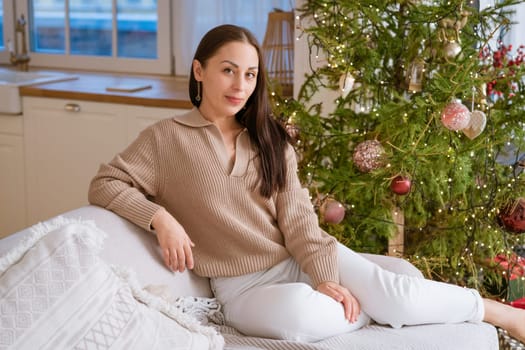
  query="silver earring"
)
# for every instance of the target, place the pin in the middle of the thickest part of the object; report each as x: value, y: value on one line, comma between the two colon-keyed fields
x: 198, y: 97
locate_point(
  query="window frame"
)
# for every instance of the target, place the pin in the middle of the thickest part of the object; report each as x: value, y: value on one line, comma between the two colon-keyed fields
x: 9, y: 28
x: 161, y: 65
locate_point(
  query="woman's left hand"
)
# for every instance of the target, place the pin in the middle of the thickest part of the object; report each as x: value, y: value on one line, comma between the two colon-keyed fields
x: 342, y: 295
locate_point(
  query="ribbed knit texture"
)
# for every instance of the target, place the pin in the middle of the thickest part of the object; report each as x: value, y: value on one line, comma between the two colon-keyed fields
x: 181, y: 164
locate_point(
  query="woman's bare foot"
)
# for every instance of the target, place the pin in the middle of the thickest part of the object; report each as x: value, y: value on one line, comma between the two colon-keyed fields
x: 506, y: 317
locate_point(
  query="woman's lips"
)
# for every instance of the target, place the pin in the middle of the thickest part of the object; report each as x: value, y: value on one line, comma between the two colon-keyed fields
x: 234, y: 100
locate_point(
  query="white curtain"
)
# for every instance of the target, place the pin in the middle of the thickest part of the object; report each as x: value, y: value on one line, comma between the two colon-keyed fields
x: 514, y: 35
x: 193, y: 18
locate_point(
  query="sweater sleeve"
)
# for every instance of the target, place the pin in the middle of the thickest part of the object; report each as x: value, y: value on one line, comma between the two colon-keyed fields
x: 314, y: 249
x: 124, y: 185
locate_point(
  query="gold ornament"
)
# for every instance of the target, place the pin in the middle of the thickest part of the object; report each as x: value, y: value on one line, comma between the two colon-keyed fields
x: 449, y: 25
x: 415, y: 75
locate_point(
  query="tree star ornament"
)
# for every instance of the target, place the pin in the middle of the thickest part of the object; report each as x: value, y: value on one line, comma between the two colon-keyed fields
x: 455, y: 116
x: 368, y: 155
x: 346, y: 83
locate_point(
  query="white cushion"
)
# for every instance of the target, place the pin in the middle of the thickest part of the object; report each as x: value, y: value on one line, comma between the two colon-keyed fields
x: 56, y: 293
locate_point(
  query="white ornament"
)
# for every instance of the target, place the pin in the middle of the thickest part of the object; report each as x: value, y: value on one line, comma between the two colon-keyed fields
x: 346, y: 83
x: 478, y: 121
x: 451, y: 49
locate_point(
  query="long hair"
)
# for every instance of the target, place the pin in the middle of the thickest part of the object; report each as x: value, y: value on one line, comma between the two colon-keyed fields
x: 265, y: 131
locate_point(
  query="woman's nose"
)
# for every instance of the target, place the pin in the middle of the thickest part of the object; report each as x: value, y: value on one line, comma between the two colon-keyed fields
x: 238, y: 82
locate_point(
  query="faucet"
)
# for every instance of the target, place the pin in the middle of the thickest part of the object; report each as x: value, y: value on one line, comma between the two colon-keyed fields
x: 21, y: 58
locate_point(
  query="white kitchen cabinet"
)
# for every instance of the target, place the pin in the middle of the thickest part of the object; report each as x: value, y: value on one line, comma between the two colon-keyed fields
x: 12, y: 188
x: 66, y: 141
x: 140, y: 117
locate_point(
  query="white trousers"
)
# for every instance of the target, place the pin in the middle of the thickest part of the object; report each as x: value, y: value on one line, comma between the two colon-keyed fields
x: 280, y: 303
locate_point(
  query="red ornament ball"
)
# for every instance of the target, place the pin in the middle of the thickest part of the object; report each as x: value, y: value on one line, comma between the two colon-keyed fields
x: 455, y: 116
x: 401, y: 185
x: 332, y: 212
x: 368, y: 155
x: 512, y: 217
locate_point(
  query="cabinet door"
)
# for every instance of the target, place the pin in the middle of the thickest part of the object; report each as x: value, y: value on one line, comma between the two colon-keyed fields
x: 142, y: 117
x: 66, y: 143
x: 12, y: 201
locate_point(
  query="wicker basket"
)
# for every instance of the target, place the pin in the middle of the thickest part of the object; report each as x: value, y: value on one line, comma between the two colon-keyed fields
x: 278, y: 48
x: 506, y: 342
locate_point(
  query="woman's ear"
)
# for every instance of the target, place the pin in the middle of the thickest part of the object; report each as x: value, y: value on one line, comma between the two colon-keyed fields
x: 197, y: 70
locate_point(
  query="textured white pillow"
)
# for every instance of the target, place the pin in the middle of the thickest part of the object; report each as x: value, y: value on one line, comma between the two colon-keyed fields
x: 56, y: 293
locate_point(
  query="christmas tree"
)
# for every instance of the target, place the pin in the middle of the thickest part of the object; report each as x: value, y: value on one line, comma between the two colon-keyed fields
x: 424, y: 139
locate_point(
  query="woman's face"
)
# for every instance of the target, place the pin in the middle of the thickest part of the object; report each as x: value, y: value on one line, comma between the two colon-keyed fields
x: 228, y: 79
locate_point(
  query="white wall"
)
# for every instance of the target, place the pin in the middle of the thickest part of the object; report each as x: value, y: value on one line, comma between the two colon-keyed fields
x: 302, y: 66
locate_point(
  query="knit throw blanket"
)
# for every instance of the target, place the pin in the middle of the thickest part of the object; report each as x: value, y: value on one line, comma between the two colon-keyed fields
x: 56, y: 293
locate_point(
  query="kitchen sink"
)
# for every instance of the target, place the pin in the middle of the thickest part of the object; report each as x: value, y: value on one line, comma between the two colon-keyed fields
x: 10, y: 81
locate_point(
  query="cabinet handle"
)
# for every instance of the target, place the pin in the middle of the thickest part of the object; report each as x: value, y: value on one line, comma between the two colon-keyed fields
x: 72, y: 107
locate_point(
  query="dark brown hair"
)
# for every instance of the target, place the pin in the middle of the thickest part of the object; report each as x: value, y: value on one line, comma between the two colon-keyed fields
x: 265, y: 131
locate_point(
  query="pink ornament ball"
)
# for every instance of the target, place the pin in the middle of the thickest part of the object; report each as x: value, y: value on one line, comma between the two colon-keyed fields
x: 368, y: 155
x: 332, y: 212
x: 455, y: 116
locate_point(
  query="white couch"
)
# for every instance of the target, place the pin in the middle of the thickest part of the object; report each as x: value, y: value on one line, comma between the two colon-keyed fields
x: 129, y: 246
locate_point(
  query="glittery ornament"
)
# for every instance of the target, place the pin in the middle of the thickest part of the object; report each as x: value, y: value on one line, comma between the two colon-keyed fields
x: 332, y: 212
x: 455, y: 116
x: 346, y: 83
x: 368, y: 155
x: 512, y: 217
x: 478, y: 121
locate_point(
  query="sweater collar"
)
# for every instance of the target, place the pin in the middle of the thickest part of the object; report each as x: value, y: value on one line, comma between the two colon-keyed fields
x: 192, y: 118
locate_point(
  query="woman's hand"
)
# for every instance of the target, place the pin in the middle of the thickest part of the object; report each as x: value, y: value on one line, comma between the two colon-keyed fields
x: 174, y: 242
x: 342, y: 295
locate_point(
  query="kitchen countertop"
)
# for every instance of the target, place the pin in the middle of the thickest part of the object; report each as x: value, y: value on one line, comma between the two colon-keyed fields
x: 167, y: 92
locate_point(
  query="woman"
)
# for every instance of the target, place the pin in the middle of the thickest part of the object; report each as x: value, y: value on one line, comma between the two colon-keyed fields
x: 218, y: 186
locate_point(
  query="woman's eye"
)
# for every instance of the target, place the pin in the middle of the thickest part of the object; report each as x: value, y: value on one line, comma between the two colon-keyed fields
x: 250, y: 75
x: 228, y: 70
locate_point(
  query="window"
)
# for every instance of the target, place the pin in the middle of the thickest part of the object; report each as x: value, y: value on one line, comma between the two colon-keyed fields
x: 91, y: 28
x: 2, y: 25
x: 137, y: 36
x: 115, y: 35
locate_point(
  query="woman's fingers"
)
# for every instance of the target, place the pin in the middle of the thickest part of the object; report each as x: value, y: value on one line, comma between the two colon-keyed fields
x: 189, y: 255
x: 351, y: 305
x: 352, y: 308
x: 166, y: 257
x: 179, y: 258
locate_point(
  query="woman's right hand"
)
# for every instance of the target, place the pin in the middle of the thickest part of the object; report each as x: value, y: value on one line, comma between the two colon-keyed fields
x: 174, y: 242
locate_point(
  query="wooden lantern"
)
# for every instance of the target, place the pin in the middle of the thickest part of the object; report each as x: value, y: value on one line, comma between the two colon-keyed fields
x: 278, y: 50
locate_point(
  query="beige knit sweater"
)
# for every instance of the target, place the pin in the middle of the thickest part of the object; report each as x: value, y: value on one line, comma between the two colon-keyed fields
x: 182, y: 165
